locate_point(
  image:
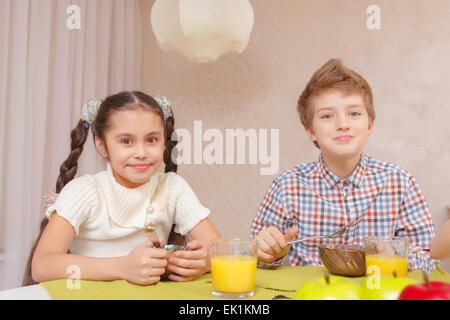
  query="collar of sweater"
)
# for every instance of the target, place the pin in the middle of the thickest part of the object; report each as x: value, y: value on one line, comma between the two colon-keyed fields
x: 127, y: 206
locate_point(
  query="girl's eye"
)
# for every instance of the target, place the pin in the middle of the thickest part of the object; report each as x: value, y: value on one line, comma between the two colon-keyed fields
x: 125, y: 141
x: 325, y: 116
x: 355, y: 114
x: 152, y: 140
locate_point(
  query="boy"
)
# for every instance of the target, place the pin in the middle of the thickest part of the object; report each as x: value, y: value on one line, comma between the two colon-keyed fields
x: 318, y: 198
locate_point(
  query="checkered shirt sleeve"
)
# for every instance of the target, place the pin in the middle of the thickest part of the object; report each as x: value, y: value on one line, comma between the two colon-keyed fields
x: 415, y: 223
x: 271, y: 212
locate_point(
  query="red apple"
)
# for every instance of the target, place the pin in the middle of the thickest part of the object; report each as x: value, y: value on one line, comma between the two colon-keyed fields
x: 433, y: 290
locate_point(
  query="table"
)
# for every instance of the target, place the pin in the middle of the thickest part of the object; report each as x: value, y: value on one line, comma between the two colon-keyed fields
x: 269, y: 283
x: 34, y: 292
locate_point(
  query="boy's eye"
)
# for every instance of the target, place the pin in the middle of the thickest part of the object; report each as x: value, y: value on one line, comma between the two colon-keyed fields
x: 355, y: 113
x: 325, y: 116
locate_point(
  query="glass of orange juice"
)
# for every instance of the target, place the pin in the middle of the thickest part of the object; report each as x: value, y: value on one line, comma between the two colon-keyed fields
x: 387, y: 256
x: 233, y: 267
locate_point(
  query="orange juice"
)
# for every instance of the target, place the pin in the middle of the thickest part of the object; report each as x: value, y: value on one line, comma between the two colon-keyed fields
x: 233, y: 273
x: 388, y: 264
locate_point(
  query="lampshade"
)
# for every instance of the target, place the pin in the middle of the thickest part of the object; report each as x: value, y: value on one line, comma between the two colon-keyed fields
x: 202, y: 30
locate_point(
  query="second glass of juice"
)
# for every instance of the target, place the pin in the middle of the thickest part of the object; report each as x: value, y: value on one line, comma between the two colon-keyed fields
x: 233, y: 267
x: 387, y: 256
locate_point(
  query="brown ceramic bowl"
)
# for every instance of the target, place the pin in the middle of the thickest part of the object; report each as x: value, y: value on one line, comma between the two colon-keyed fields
x: 344, y: 260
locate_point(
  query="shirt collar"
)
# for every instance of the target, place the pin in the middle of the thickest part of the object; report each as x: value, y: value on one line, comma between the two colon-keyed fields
x: 332, y: 180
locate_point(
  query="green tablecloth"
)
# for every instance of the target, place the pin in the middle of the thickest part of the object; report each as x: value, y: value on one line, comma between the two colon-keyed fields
x: 268, y: 284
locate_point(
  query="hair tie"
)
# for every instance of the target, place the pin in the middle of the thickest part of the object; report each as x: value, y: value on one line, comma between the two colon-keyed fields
x: 49, y: 199
x: 165, y: 105
x: 89, y: 111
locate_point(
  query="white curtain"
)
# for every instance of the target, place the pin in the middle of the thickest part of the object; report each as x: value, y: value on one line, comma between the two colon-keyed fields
x: 47, y: 71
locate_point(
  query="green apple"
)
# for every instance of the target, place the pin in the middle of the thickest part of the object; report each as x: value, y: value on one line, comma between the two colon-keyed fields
x: 378, y: 287
x: 329, y: 288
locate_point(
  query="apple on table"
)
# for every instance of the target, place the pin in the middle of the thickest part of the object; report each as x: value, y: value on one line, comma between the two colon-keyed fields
x: 429, y: 290
x: 329, y: 288
x: 385, y: 288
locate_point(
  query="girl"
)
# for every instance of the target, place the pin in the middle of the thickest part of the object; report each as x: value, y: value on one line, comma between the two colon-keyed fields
x: 101, y: 217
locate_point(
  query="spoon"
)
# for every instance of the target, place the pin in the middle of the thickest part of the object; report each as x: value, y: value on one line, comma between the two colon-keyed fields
x: 153, y: 237
x: 333, y: 235
x: 271, y: 265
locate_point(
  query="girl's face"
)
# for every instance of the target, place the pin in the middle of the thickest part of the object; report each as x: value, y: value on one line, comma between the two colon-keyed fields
x: 340, y: 125
x: 134, y: 144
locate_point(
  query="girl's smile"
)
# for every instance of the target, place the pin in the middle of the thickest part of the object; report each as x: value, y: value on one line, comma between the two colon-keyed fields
x: 140, y: 167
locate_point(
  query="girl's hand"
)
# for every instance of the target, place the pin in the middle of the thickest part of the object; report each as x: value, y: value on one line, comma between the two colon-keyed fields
x: 144, y: 265
x: 272, y: 243
x: 189, y: 265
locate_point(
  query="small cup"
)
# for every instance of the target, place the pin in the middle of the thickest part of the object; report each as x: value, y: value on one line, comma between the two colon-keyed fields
x: 171, y: 248
x: 233, y: 267
x: 387, y: 256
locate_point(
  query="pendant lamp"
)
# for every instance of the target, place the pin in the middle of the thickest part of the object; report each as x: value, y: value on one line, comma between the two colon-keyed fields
x: 202, y: 30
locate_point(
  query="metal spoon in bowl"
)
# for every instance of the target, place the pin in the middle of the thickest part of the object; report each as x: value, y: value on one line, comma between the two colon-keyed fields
x: 333, y: 235
x: 272, y: 265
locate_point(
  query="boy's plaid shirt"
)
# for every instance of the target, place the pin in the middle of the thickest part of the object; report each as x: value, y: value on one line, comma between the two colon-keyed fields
x: 318, y: 202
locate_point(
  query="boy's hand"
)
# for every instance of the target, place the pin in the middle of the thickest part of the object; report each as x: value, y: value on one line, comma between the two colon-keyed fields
x: 189, y: 265
x: 384, y: 248
x: 272, y: 243
x: 145, y: 264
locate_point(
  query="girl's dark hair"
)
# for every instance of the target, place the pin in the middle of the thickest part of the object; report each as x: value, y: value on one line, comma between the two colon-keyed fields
x: 126, y: 100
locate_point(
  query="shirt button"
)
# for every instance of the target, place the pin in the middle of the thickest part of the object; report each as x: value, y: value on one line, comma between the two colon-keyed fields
x: 149, y: 210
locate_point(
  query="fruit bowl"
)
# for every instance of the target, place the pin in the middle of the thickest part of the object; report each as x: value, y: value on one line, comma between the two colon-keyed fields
x: 344, y: 259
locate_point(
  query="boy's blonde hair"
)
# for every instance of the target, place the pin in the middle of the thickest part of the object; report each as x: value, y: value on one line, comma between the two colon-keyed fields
x: 333, y: 75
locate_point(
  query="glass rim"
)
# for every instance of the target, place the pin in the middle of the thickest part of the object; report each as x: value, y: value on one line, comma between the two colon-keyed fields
x: 174, y: 247
x: 233, y: 240
x: 397, y: 239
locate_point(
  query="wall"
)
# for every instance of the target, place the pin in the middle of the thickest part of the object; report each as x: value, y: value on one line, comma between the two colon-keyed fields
x: 406, y: 62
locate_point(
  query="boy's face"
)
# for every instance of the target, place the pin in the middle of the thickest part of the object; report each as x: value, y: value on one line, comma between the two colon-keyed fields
x: 340, y: 124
